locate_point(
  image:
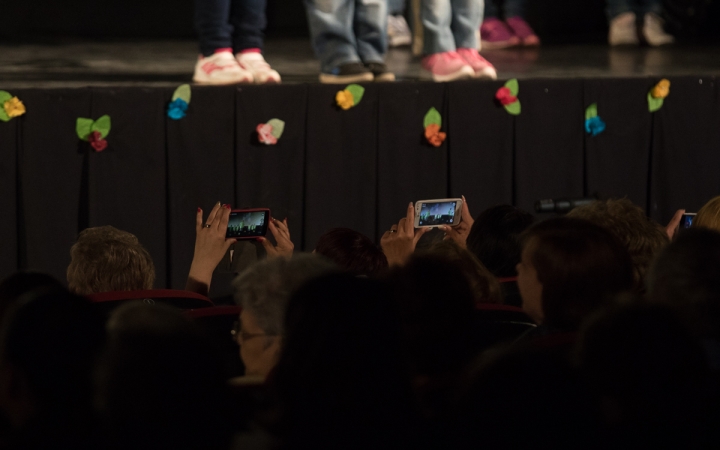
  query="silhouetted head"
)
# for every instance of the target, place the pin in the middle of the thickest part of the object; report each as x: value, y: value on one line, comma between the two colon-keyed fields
x: 353, y: 252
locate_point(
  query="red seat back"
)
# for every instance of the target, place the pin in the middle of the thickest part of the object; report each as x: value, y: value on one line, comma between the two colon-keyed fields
x: 177, y: 298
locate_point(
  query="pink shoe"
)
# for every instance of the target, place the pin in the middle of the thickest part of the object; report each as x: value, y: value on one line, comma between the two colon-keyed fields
x: 523, y: 31
x: 447, y: 66
x: 480, y: 65
x: 494, y: 34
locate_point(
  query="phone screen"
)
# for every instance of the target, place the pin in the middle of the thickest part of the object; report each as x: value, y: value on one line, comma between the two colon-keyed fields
x: 248, y: 224
x: 687, y: 220
x: 437, y: 214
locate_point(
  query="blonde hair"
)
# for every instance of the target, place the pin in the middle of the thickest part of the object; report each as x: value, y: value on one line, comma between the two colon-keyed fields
x: 709, y: 215
x: 106, y: 259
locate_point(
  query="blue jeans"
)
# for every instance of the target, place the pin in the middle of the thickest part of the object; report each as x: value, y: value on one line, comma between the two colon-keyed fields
x: 345, y: 31
x: 450, y: 24
x: 230, y: 23
x: 511, y: 8
x: 640, y: 7
x: 396, y: 7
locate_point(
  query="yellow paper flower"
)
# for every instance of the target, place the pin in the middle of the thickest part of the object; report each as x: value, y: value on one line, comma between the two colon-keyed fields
x: 14, y: 107
x: 661, y: 90
x: 345, y: 99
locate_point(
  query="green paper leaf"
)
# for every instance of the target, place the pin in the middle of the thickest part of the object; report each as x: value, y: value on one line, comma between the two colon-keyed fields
x: 102, y: 125
x: 357, y: 92
x: 591, y: 111
x: 278, y: 126
x: 83, y: 127
x: 654, y: 103
x: 4, y: 96
x: 3, y: 115
x: 514, y: 86
x: 183, y: 92
x: 432, y: 116
x: 513, y: 108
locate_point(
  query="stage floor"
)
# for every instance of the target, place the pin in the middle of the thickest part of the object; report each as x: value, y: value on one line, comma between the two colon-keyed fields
x: 166, y: 63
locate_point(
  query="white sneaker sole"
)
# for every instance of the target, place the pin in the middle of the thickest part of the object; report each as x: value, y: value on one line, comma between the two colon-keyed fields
x: 465, y: 73
x: 326, y: 78
x: 487, y: 73
x: 203, y: 79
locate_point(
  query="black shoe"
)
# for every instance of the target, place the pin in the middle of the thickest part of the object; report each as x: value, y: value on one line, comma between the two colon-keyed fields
x: 353, y: 72
x: 380, y: 71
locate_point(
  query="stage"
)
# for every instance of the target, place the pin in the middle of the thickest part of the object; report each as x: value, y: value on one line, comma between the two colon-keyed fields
x: 357, y: 168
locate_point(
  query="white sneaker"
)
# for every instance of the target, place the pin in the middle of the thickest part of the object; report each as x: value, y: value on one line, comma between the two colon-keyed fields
x: 254, y: 63
x: 623, y: 30
x: 653, y: 31
x: 398, y: 31
x: 220, y: 68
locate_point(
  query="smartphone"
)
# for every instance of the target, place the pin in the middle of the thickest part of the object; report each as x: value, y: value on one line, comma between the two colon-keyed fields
x: 436, y: 213
x: 248, y: 223
x: 687, y: 220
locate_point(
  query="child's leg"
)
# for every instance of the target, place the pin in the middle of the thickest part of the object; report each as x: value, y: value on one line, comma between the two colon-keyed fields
x: 213, y: 25
x: 370, y: 26
x: 513, y: 8
x: 249, y: 21
x: 467, y: 16
x: 331, y: 32
x: 614, y: 8
x: 650, y: 6
x: 436, y: 16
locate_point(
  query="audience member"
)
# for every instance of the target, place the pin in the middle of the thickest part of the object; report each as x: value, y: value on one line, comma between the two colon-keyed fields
x: 353, y: 252
x: 399, y: 242
x: 263, y: 291
x: 341, y: 378
x: 642, y: 237
x: 49, y: 342
x: 568, y: 269
x: 709, y: 215
x: 160, y: 383
x: 623, y: 16
x: 16, y: 285
x: 514, y: 30
x: 106, y: 259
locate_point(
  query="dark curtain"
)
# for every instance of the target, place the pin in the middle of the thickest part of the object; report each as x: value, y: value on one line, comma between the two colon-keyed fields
x: 8, y: 194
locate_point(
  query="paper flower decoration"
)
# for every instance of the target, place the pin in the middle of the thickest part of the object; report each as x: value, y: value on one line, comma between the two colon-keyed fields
x: 10, y: 107
x: 350, y: 96
x: 657, y: 95
x: 432, y: 124
x: 594, y: 125
x: 270, y: 132
x: 94, y: 132
x: 180, y: 102
x: 507, y: 96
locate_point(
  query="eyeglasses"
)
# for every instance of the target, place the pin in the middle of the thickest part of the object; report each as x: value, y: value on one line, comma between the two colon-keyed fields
x: 239, y: 336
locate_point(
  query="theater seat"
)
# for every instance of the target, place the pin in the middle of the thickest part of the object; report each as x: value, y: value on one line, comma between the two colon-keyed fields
x: 107, y: 301
x: 496, y: 324
x: 217, y: 322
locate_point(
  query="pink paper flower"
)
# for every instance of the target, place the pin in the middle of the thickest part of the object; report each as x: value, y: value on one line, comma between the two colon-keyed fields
x: 504, y: 96
x: 97, y: 142
x: 265, y: 135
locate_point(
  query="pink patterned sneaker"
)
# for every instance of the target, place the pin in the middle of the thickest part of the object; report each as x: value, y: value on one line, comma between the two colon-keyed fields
x: 220, y: 68
x: 447, y: 66
x: 523, y: 31
x: 494, y: 34
x: 253, y: 62
x: 480, y: 65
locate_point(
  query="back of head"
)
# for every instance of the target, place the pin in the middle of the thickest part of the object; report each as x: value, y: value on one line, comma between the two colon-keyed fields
x: 484, y: 284
x: 14, y: 286
x: 52, y: 338
x: 686, y: 276
x: 494, y: 238
x: 264, y: 288
x: 353, y: 252
x: 340, y: 375
x: 161, y: 383
x: 106, y: 259
x: 709, y: 215
x: 642, y: 237
x: 580, y: 265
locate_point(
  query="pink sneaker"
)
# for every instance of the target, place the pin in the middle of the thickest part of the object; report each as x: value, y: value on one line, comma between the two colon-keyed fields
x: 523, y: 31
x: 480, y: 65
x: 447, y: 66
x: 494, y: 34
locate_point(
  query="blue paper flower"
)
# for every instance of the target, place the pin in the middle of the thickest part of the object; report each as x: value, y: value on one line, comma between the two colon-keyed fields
x: 594, y: 125
x: 177, y: 109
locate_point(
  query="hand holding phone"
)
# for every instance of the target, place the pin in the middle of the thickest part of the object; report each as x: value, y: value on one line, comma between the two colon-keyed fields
x: 438, y: 213
x: 248, y: 223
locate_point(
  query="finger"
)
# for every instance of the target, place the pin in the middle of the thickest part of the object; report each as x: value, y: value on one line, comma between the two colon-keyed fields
x: 222, y: 219
x: 269, y: 248
x: 674, y: 223
x: 282, y: 228
x: 419, y: 232
x: 229, y: 243
x: 466, y: 217
x: 198, y: 220
x: 402, y: 227
x: 274, y: 229
x: 409, y: 220
x: 386, y: 236
x: 213, y: 213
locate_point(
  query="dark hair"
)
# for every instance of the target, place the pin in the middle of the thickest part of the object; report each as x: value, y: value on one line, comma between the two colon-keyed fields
x: 686, y: 276
x: 19, y: 283
x: 580, y: 266
x: 495, y: 238
x: 353, y: 252
x: 340, y: 376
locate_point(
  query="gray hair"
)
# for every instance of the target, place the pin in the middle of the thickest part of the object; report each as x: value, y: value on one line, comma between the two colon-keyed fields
x: 265, y: 288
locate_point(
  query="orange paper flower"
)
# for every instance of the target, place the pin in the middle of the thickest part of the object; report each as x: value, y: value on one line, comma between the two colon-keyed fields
x: 345, y: 99
x: 661, y: 90
x: 14, y: 107
x: 433, y: 135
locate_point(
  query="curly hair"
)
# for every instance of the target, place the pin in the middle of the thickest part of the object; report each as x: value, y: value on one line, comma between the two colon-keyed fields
x: 709, y: 215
